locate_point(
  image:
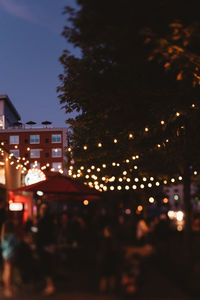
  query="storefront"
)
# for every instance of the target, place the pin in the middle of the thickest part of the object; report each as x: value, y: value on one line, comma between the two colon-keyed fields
x: 12, y: 173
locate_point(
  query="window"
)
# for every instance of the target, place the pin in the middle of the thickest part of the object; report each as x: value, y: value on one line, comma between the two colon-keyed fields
x: 35, y: 153
x: 35, y: 165
x: 14, y: 139
x: 56, y: 166
x: 15, y: 152
x: 34, y: 139
x: 56, y: 138
x: 46, y: 154
x: 56, y: 152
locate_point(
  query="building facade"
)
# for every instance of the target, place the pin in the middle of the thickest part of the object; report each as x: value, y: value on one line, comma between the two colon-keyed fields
x: 8, y: 114
x: 175, y: 195
x: 42, y: 148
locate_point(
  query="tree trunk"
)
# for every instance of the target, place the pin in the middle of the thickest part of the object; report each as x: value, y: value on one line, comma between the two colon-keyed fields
x: 187, y: 207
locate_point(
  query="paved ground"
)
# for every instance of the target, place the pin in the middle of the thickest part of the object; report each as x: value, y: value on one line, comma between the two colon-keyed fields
x: 80, y: 285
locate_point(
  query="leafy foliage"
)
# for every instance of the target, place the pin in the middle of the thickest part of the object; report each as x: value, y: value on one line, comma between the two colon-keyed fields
x: 116, y: 90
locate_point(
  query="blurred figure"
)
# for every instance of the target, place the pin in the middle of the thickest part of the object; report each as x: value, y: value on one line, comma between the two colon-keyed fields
x: 130, y: 274
x: 9, y: 244
x: 78, y: 227
x: 64, y: 238
x: 161, y: 235
x: 108, y: 261
x: 46, y: 247
x: 196, y: 223
x: 63, y: 230
x: 142, y: 231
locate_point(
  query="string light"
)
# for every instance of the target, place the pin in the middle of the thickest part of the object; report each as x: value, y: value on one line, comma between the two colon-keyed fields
x: 151, y: 200
x: 127, y: 160
x: 130, y: 136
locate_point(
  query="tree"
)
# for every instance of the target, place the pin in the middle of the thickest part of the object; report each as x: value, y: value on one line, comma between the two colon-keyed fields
x: 121, y: 96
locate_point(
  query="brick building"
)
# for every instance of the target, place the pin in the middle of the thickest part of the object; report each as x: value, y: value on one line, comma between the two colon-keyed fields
x: 42, y: 148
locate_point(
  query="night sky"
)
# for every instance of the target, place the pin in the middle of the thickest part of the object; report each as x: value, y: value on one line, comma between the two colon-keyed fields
x: 31, y: 44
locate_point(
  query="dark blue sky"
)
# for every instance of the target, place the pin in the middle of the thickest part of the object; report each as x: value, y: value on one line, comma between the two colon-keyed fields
x: 31, y: 44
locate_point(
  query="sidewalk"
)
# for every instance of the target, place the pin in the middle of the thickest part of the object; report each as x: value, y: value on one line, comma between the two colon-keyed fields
x: 81, y: 286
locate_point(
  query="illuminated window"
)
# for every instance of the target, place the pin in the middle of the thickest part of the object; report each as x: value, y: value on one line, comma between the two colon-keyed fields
x: 34, y: 139
x: 15, y: 152
x: 56, y: 152
x: 56, y: 138
x: 35, y: 153
x: 14, y: 139
x: 56, y: 166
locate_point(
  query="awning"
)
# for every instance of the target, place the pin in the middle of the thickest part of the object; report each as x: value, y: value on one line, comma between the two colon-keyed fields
x: 61, y: 184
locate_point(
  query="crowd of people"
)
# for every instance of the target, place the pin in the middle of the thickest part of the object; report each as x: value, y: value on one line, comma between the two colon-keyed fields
x: 119, y: 247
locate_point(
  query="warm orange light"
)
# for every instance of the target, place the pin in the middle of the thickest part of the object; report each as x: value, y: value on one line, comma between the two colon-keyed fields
x: 86, y: 202
x: 165, y: 200
x: 139, y: 208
